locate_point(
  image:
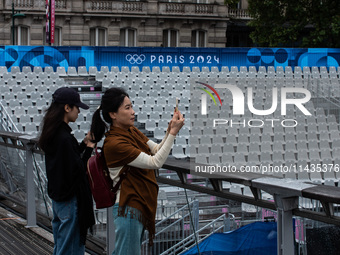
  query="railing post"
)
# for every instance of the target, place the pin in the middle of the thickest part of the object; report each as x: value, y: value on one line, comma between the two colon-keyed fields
x: 226, y: 224
x: 110, y: 231
x: 30, y: 187
x: 285, y: 236
x: 195, y: 208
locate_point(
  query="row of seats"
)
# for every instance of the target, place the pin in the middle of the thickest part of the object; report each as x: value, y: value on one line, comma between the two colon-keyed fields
x: 313, y: 156
x: 49, y: 70
x: 31, y: 76
x: 294, y: 169
x: 93, y: 69
x: 238, y: 127
x: 16, y: 89
x: 222, y: 146
x: 31, y: 123
x: 33, y: 95
x: 234, y: 138
x: 221, y: 76
x: 254, y: 144
x: 161, y: 82
x: 36, y: 82
x: 309, y: 142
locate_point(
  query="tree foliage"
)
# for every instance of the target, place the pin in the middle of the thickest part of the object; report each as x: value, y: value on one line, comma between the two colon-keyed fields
x: 292, y: 23
x: 231, y: 2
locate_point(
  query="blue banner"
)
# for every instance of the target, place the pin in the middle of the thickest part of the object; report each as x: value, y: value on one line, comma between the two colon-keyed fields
x: 138, y: 56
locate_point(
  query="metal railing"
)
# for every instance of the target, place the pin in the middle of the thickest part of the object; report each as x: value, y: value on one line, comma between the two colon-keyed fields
x: 40, y: 179
x: 173, y: 228
x: 179, y: 231
x: 173, y: 224
x: 6, y: 121
x: 218, y: 225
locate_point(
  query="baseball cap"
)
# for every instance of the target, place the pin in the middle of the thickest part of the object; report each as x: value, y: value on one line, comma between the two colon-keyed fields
x: 69, y: 96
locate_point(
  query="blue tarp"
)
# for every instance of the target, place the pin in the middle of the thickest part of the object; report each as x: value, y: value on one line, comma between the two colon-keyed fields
x: 259, y: 238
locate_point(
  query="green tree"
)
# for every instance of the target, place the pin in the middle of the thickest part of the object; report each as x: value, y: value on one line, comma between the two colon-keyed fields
x: 305, y: 23
x: 231, y: 3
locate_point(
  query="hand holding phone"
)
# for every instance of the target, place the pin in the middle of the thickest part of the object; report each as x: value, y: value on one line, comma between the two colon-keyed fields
x: 176, y: 122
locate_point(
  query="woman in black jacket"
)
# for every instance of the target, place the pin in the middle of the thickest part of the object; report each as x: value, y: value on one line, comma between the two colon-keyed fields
x: 66, y: 173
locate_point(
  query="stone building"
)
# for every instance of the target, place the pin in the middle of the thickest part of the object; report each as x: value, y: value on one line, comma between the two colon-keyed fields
x: 149, y: 23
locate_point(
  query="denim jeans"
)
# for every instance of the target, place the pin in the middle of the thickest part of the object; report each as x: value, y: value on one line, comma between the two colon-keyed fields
x: 129, y: 234
x: 66, y: 228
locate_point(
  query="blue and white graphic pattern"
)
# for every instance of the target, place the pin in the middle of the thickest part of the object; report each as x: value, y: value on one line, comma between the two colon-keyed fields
x: 134, y: 56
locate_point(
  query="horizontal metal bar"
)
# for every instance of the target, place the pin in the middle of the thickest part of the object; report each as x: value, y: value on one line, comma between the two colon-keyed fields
x: 224, y: 194
x: 335, y: 220
x: 261, y: 203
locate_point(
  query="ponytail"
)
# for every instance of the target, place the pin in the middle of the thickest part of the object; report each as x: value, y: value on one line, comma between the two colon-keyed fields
x: 111, y: 101
x: 98, y: 126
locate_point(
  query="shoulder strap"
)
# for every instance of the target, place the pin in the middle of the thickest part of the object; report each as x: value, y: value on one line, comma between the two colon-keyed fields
x: 123, y: 173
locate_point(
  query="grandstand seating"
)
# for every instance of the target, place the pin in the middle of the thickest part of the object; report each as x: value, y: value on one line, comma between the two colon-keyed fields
x: 26, y: 93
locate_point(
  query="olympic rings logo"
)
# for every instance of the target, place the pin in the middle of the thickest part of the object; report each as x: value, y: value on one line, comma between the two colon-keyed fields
x: 135, y: 59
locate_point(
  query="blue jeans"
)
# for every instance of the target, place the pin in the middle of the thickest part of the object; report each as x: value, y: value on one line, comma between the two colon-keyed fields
x: 129, y: 234
x: 66, y: 228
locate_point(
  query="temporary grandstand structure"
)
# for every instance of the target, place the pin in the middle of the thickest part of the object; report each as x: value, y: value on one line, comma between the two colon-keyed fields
x: 293, y: 195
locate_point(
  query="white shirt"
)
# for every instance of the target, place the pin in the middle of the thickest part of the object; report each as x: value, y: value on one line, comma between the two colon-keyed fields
x: 160, y: 153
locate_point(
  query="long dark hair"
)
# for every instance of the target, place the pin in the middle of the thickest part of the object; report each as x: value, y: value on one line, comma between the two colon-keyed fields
x: 112, y: 99
x: 54, y: 116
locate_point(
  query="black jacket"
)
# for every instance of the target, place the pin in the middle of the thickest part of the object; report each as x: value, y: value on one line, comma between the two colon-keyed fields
x: 64, y: 165
x: 66, y: 174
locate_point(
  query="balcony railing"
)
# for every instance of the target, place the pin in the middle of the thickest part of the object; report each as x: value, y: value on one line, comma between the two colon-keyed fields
x: 128, y: 7
x: 191, y: 9
x: 23, y: 3
x: 175, y: 8
x: 133, y: 6
x: 116, y: 6
x: 34, y: 4
x: 60, y: 4
x: 204, y: 9
x: 239, y: 14
x: 101, y: 5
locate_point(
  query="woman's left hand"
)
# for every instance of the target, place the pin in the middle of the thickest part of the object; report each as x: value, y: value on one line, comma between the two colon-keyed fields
x: 88, y: 140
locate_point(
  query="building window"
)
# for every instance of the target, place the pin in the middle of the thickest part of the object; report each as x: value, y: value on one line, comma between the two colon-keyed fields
x: 97, y: 36
x: 239, y: 5
x: 128, y: 37
x: 198, y: 38
x: 57, y: 36
x: 170, y: 38
x: 22, y: 36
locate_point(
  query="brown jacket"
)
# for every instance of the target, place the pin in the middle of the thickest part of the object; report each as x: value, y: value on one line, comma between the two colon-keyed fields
x: 139, y: 189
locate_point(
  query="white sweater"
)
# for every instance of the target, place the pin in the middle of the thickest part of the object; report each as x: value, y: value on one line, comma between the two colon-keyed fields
x: 160, y: 153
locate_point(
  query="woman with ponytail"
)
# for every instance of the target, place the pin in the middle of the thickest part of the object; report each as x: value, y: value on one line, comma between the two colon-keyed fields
x: 67, y: 185
x: 127, y: 149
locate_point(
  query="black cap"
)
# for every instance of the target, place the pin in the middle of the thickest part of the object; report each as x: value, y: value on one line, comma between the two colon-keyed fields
x: 69, y: 96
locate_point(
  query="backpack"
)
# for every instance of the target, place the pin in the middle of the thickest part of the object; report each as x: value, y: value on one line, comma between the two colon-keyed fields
x: 101, y: 184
